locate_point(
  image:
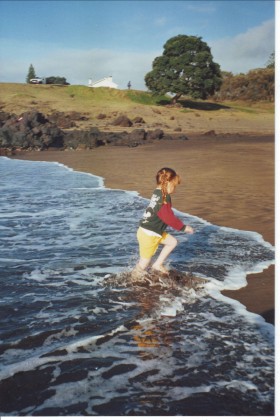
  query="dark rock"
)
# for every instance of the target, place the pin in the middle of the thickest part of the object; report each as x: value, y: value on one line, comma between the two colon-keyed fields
x: 169, y: 137
x: 133, y: 139
x: 62, y: 120
x: 123, y: 121
x: 137, y: 136
x: 155, y: 134
x: 4, y: 116
x: 101, y: 116
x: 66, y: 120
x: 138, y: 120
x: 32, y: 130
x: 77, y: 116
x: 210, y: 133
x: 88, y: 139
x: 182, y: 137
x: 175, y: 136
x: 117, y: 139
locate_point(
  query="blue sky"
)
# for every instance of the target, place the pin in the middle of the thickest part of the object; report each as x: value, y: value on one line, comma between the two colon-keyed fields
x: 92, y: 39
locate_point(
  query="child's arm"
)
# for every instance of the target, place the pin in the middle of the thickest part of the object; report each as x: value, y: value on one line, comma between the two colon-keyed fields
x: 168, y: 217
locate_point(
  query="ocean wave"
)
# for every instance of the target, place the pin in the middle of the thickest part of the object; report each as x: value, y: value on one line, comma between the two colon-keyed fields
x: 80, y: 337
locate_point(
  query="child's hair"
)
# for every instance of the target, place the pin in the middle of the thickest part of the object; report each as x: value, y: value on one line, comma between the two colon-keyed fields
x: 164, y: 176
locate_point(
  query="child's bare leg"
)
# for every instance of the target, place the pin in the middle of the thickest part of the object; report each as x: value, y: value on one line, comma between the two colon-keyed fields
x: 143, y: 263
x: 169, y: 244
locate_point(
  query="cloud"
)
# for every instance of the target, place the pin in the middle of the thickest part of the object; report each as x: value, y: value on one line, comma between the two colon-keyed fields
x: 245, y: 51
x: 98, y: 63
x: 78, y: 66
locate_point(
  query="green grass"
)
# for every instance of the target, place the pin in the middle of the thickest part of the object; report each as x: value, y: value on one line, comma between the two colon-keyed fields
x: 146, y: 98
x: 95, y: 94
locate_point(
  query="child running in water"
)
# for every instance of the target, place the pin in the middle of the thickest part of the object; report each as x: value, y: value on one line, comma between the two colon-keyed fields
x: 157, y: 217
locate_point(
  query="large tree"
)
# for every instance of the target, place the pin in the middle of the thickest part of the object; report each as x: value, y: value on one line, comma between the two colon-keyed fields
x: 31, y: 74
x: 186, y: 67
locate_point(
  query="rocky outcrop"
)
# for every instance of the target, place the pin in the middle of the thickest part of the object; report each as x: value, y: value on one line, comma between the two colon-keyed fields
x: 34, y: 131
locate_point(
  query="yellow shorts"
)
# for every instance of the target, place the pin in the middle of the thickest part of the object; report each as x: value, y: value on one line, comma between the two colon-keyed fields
x: 149, y: 244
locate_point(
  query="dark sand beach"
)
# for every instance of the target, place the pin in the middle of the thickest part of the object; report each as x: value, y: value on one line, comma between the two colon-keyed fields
x: 227, y: 180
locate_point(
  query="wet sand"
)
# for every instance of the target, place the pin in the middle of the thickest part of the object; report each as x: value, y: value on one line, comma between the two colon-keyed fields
x: 227, y: 180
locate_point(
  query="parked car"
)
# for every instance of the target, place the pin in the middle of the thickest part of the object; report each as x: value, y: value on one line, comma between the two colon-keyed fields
x: 36, y: 80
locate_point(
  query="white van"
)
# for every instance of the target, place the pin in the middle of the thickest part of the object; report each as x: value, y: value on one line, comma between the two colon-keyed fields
x: 36, y: 80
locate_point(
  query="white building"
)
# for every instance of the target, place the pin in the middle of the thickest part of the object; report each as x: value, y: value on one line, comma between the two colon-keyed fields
x: 105, y: 82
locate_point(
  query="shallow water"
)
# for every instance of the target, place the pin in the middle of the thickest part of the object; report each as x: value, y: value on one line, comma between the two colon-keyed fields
x: 72, y: 344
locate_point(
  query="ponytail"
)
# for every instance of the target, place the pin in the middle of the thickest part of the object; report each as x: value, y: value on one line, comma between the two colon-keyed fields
x: 163, y: 177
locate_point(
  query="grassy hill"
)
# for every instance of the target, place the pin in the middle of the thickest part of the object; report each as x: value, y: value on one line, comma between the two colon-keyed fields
x: 194, y: 116
x: 19, y: 97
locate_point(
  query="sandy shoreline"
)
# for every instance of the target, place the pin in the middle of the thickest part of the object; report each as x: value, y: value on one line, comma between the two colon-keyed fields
x: 227, y: 180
